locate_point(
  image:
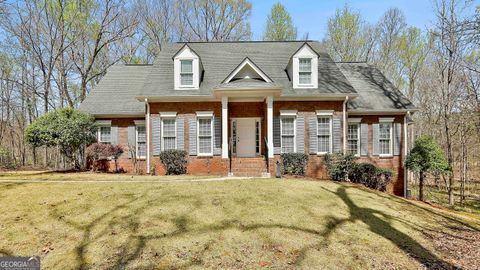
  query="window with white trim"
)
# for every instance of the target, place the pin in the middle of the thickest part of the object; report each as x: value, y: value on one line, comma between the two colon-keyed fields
x: 287, y: 130
x: 141, y: 138
x: 324, y: 134
x: 104, y: 134
x: 186, y: 73
x: 205, y: 136
x: 385, y: 138
x: 353, y: 138
x: 169, y: 138
x: 305, y: 71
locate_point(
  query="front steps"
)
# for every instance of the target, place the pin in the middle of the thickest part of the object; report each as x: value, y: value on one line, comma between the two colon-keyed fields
x: 249, y: 167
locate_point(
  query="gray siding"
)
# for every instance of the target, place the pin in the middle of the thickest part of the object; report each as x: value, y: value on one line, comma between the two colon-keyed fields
x: 337, y: 134
x: 300, y: 136
x: 364, y: 139
x: 114, y: 134
x: 277, y: 142
x: 131, y: 140
x: 180, y: 133
x: 156, y: 134
x: 375, y: 142
x: 192, y: 136
x: 217, y: 140
x: 312, y: 135
x: 397, y: 133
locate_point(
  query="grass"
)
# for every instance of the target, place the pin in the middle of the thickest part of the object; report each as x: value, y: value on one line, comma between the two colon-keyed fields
x: 245, y: 224
x: 89, y: 176
x: 439, y: 195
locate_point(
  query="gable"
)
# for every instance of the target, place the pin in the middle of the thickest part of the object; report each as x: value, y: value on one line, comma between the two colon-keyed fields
x: 247, y: 70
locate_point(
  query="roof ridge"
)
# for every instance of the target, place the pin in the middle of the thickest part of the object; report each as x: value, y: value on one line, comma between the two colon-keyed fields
x: 248, y: 41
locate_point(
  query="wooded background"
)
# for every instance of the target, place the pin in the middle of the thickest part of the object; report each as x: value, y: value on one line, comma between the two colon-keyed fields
x: 53, y: 52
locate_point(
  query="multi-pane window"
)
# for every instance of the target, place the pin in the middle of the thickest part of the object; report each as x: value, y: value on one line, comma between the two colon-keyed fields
x: 305, y: 71
x: 288, y: 134
x: 168, y: 134
x: 385, y: 138
x: 324, y: 131
x: 141, y: 142
x: 186, y: 72
x: 353, y: 136
x: 104, y: 135
x: 205, y: 130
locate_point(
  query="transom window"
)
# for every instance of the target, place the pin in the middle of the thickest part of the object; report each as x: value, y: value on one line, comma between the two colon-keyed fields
x: 141, y: 142
x: 205, y: 136
x: 385, y: 138
x: 169, y: 139
x: 288, y: 134
x: 324, y: 134
x: 186, y: 72
x: 104, y: 135
x: 353, y: 138
x: 305, y: 71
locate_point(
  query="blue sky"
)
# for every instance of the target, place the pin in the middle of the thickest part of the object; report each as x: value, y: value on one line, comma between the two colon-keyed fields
x: 312, y: 15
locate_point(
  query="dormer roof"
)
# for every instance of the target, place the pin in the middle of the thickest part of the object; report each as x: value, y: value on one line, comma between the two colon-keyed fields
x: 248, y: 69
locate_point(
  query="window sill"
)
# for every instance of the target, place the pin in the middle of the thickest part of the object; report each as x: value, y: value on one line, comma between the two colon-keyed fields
x: 204, y: 155
x: 186, y: 88
x: 322, y: 153
x: 304, y: 86
x: 385, y: 156
x: 141, y: 158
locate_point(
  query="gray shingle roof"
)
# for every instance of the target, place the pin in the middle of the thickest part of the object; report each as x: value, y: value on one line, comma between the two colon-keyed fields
x: 116, y: 92
x: 219, y: 59
x: 376, y: 93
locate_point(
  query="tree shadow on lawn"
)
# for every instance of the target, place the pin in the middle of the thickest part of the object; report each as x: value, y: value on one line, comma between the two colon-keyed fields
x: 384, y: 229
x: 136, y: 241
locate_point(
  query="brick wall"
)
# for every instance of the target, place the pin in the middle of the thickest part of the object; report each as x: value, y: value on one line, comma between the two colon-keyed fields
x: 218, y: 166
x: 196, y: 165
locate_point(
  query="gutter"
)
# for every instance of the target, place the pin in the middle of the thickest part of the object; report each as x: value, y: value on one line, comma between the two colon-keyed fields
x: 147, y: 120
x: 405, y: 171
x: 345, y: 125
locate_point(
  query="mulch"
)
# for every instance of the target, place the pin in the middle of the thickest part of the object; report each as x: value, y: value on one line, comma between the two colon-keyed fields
x: 460, y: 245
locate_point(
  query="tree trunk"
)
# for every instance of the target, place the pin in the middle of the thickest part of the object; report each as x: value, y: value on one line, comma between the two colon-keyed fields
x: 420, y: 187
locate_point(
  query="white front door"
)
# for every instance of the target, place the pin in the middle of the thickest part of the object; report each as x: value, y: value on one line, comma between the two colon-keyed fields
x: 245, y: 133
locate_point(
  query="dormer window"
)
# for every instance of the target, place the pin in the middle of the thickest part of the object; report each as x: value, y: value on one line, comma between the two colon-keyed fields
x: 186, y: 73
x: 303, y: 67
x: 305, y: 71
x: 188, y: 69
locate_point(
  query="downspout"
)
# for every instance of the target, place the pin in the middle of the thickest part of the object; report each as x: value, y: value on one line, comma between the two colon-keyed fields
x: 147, y: 120
x: 345, y: 125
x: 405, y: 171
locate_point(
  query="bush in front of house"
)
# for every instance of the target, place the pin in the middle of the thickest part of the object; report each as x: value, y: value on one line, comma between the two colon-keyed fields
x: 69, y: 129
x: 339, y: 165
x: 370, y: 176
x: 99, y: 153
x: 294, y: 163
x: 174, y: 161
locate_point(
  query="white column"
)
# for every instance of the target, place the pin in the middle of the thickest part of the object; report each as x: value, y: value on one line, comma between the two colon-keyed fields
x: 147, y: 130
x: 224, y: 127
x: 269, y: 102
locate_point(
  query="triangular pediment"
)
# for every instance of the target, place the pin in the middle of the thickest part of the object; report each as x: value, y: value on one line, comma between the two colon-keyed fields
x: 247, y: 70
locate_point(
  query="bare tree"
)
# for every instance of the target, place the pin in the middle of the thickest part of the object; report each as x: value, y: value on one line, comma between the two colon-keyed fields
x: 215, y: 20
x: 97, y: 29
x: 449, y: 46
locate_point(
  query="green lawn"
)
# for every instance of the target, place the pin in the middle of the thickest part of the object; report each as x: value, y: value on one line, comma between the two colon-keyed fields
x: 246, y: 224
x: 89, y: 176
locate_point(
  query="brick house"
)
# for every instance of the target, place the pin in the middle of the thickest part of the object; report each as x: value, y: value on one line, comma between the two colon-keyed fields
x: 257, y: 99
